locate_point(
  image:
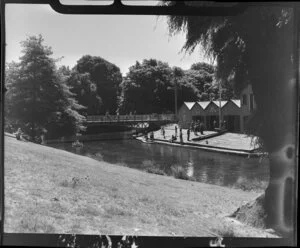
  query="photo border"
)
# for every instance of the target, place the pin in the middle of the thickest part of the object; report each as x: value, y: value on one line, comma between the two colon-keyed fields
x: 117, y: 8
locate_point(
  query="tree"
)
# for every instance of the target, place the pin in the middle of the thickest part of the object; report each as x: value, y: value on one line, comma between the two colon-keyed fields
x: 86, y: 92
x: 147, y: 88
x: 199, y: 84
x: 256, y: 47
x: 38, y: 97
x: 96, y: 83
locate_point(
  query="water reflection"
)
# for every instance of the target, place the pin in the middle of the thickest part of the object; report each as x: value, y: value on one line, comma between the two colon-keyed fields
x: 207, y: 167
x: 190, y: 168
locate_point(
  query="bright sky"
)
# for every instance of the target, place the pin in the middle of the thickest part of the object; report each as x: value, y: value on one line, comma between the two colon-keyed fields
x: 122, y: 40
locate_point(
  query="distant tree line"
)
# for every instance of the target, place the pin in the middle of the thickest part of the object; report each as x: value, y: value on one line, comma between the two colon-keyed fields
x: 42, y: 98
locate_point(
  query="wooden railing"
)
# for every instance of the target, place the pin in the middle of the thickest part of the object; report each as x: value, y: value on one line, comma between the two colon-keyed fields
x: 130, y: 118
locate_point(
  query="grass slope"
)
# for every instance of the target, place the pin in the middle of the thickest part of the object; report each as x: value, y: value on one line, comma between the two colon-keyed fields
x: 53, y: 191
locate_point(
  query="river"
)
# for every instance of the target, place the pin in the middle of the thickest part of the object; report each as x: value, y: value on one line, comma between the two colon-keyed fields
x: 202, y: 166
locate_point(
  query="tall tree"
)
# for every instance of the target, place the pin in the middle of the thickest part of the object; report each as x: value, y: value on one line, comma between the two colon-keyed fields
x: 148, y: 88
x: 94, y: 76
x: 38, y: 97
x: 86, y: 92
x: 256, y: 47
x: 199, y: 84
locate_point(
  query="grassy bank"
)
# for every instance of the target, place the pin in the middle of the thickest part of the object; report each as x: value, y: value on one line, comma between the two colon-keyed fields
x: 54, y: 191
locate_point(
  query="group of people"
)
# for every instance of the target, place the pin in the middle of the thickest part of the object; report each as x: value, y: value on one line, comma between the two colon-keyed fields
x: 174, y: 137
x: 20, y: 135
x: 223, y: 124
x: 197, y: 126
x: 118, y: 113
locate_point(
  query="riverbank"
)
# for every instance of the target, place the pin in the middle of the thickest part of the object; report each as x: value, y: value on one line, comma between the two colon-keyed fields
x: 54, y: 191
x: 224, y: 142
x: 93, y: 137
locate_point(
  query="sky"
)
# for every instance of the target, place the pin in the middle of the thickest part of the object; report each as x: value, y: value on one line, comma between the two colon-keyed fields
x: 121, y: 40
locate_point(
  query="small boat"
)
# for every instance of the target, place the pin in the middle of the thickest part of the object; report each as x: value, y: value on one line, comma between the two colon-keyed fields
x: 148, y: 141
x: 144, y: 140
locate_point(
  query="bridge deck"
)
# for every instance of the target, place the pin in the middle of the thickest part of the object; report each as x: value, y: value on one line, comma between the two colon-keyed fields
x: 130, y: 118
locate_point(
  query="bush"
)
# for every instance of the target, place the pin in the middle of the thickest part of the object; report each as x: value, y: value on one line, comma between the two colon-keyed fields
x: 176, y: 171
x: 155, y: 170
x: 255, y: 185
x: 179, y: 172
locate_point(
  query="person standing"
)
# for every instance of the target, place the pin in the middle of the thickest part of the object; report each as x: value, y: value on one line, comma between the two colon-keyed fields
x: 201, y: 128
x: 180, y: 136
x: 224, y: 125
x: 194, y: 128
x: 215, y: 124
x: 164, y: 133
x: 188, y: 134
x: 176, y: 131
x: 151, y: 136
x: 19, y: 134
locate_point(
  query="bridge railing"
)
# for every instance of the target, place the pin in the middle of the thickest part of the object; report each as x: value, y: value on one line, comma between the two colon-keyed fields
x: 130, y: 118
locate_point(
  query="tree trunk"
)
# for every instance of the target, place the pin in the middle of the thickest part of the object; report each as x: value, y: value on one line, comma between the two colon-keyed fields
x: 276, y: 110
x: 274, y: 75
x: 280, y: 194
x: 33, y: 113
x: 277, y: 130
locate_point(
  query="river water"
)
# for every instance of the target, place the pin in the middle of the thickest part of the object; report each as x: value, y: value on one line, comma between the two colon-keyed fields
x: 202, y: 166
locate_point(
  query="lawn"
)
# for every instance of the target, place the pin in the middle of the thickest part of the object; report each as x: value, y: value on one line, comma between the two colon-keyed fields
x: 53, y: 191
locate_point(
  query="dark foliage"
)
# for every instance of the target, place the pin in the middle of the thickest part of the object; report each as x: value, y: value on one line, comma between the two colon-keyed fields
x: 95, y: 82
x: 38, y: 99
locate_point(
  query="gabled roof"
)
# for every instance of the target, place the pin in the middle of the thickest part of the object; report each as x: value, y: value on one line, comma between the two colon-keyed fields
x: 189, y: 104
x: 237, y: 102
x: 203, y: 104
x: 222, y: 103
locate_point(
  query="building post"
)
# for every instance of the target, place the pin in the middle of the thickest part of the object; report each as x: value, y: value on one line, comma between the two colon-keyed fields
x: 220, y: 112
x: 175, y: 89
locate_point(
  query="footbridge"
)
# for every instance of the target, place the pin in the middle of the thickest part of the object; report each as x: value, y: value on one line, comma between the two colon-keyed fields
x: 158, y: 119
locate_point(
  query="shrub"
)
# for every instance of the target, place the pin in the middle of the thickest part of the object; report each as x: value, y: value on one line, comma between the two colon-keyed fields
x: 251, y: 185
x: 180, y: 172
x: 155, y: 170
